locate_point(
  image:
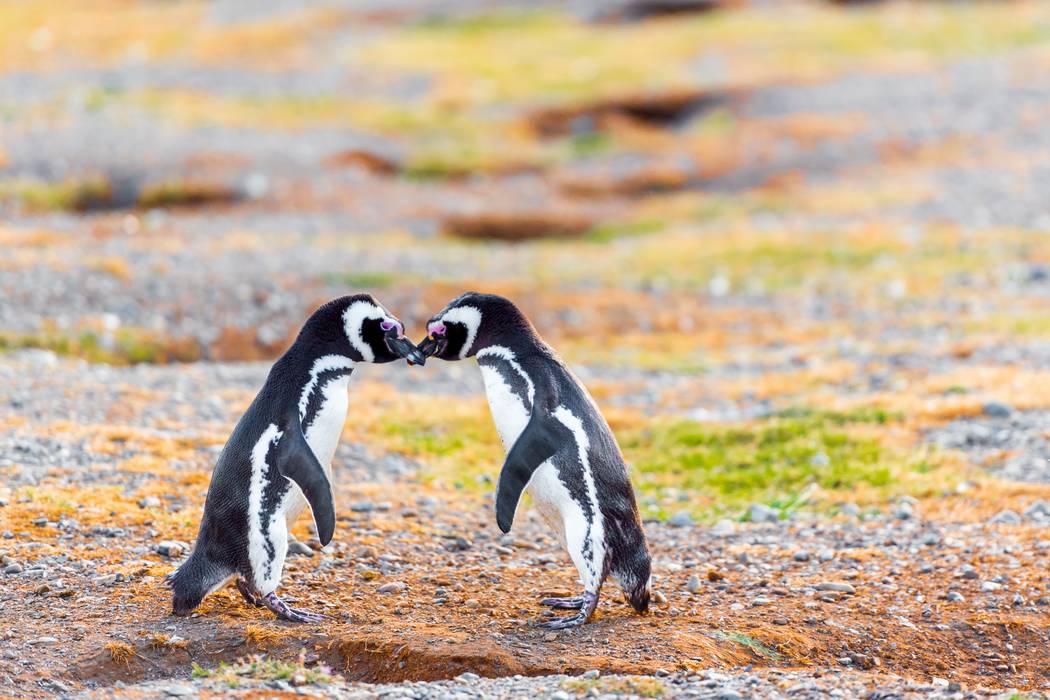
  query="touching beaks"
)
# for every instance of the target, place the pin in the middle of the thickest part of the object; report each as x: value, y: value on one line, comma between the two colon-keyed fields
x: 429, y: 347
x: 403, y: 347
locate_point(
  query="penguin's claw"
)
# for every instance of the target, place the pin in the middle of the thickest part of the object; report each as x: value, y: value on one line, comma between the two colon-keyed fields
x: 283, y: 611
x: 249, y: 594
x: 586, y: 602
x: 569, y: 603
x: 564, y: 623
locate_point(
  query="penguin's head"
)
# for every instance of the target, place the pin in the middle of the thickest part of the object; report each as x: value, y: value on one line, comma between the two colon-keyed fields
x: 375, y: 334
x: 469, y: 323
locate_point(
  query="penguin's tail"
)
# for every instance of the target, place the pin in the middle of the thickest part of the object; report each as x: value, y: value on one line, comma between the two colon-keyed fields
x: 636, y: 580
x: 195, y: 578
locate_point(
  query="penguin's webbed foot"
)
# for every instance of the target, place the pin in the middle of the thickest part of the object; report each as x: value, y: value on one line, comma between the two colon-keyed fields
x: 574, y: 602
x: 249, y: 594
x: 586, y: 602
x: 283, y: 611
x: 564, y: 623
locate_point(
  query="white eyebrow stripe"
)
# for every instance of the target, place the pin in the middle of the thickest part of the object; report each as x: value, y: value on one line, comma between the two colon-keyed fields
x: 353, y: 317
x: 469, y: 316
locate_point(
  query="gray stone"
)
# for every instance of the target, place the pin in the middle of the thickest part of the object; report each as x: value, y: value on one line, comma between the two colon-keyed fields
x: 956, y: 597
x: 693, y: 585
x: 681, y: 519
x: 723, y: 528
x: 593, y: 673
x: 837, y: 586
x: 1038, y: 511
x: 149, y: 502
x: 12, y: 569
x: 392, y: 587
x: 1006, y: 517
x: 997, y: 409
x: 759, y: 513
x: 170, y: 549
x: 801, y: 555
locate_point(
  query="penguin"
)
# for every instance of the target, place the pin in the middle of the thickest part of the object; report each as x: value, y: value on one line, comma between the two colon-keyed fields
x: 279, y: 456
x: 560, y: 449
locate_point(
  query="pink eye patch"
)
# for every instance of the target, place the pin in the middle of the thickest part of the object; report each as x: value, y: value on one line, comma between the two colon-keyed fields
x: 389, y: 325
x: 436, y: 328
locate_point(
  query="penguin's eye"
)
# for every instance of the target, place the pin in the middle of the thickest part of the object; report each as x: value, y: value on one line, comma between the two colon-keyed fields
x: 437, y: 328
x: 388, y: 325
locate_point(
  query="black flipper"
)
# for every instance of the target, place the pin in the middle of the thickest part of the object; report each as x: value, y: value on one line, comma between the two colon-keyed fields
x: 536, y: 444
x: 297, y: 461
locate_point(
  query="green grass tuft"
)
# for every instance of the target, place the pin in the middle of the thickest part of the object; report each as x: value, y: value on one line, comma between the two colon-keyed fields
x: 74, y: 194
x: 779, y: 461
x: 751, y: 643
x: 370, y: 279
x: 262, y: 668
x: 127, y: 346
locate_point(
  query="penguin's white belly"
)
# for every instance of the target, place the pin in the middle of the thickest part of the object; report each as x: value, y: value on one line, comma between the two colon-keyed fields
x: 322, y: 435
x: 511, y: 416
x: 508, y: 411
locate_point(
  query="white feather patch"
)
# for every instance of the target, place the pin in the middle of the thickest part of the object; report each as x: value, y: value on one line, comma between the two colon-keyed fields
x: 321, y: 364
x: 508, y: 355
x: 353, y: 317
x: 597, y: 525
x: 258, y: 531
x: 469, y: 316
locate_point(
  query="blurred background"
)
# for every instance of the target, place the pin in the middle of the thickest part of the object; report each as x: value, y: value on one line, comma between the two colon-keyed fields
x: 798, y: 252
x: 800, y: 217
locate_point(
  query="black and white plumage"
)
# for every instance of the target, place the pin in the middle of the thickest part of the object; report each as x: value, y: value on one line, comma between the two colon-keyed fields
x: 279, y: 456
x: 561, y: 449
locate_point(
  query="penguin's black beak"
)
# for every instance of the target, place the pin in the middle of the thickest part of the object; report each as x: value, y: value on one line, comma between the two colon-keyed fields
x: 403, y: 347
x: 429, y: 346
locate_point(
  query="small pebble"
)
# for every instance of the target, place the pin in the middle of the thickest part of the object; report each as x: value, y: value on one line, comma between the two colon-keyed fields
x: 681, y: 519
x: 997, y: 409
x: 1005, y: 517
x: 836, y: 586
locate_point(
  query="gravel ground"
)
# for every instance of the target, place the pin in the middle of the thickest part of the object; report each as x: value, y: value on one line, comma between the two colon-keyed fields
x: 863, y: 597
x: 709, y: 685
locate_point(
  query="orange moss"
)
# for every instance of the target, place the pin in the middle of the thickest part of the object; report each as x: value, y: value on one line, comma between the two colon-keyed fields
x: 120, y: 652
